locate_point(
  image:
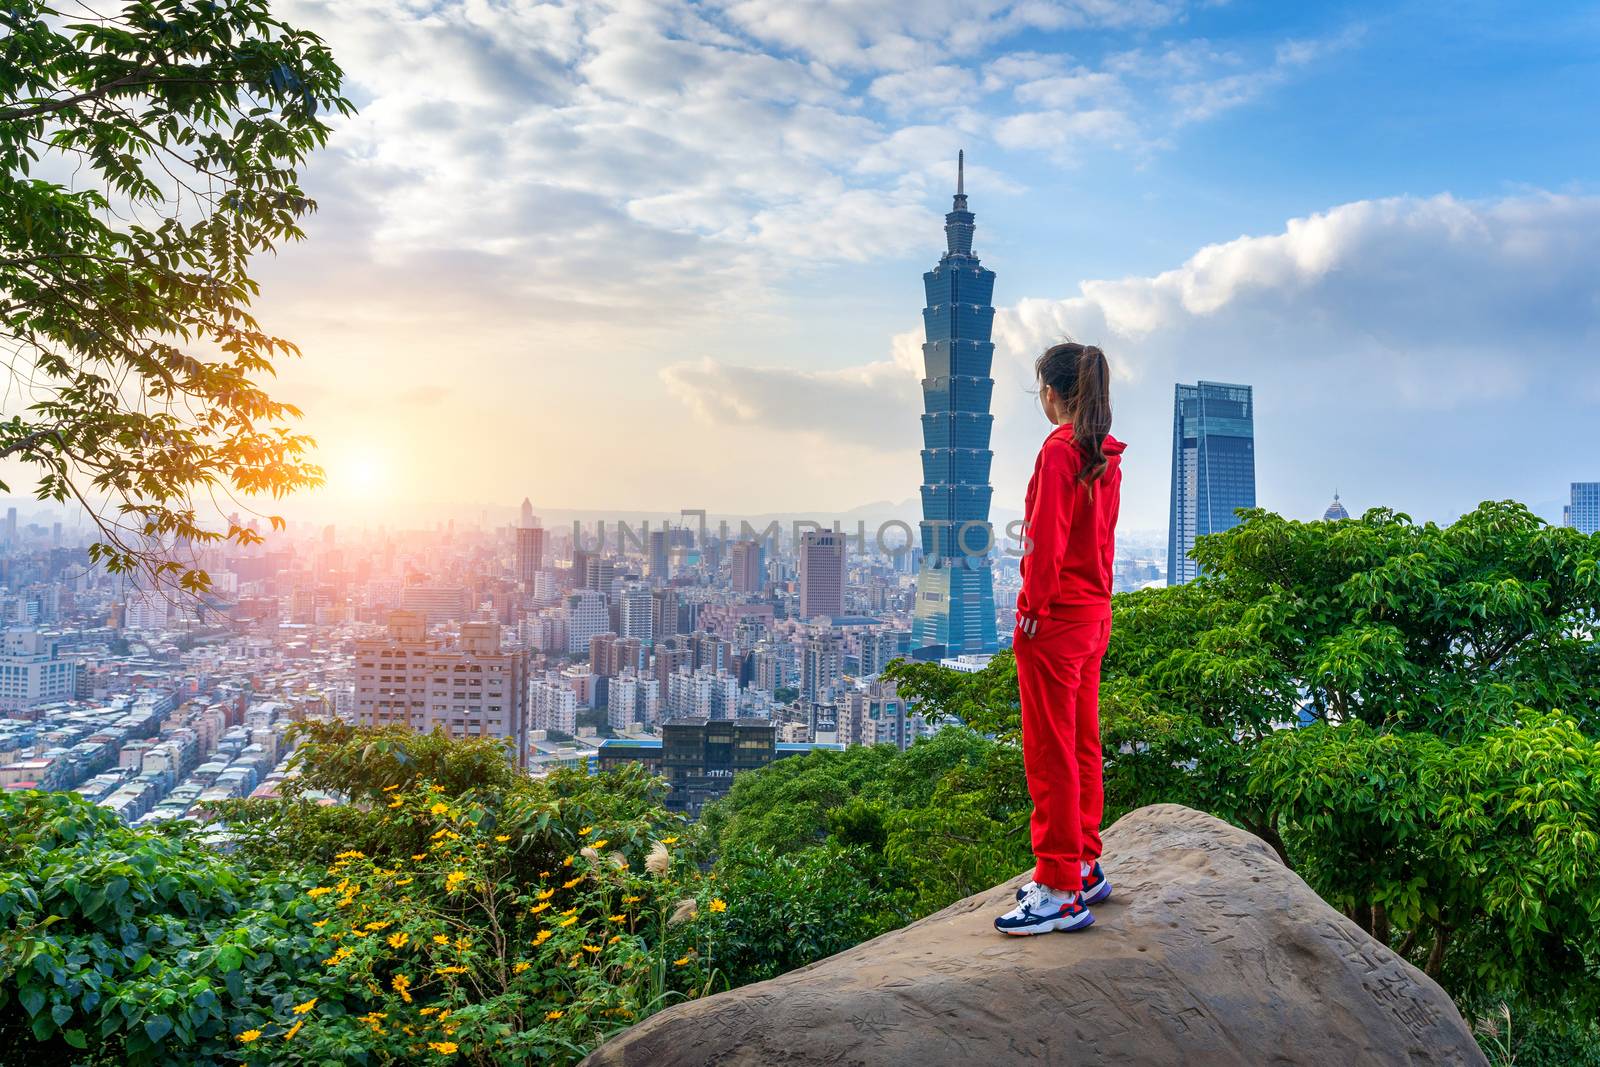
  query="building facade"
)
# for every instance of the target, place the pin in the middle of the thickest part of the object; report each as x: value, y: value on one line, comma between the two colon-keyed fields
x: 470, y: 689
x: 1213, y: 467
x: 822, y: 573
x: 955, y: 587
x: 1583, y: 513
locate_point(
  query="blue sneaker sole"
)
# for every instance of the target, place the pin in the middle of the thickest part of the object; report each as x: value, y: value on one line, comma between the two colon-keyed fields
x: 1065, y: 925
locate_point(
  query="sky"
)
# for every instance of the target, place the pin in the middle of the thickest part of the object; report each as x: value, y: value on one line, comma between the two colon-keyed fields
x: 645, y: 255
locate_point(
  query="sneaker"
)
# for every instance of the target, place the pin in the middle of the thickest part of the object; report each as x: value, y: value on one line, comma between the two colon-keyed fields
x: 1096, y: 887
x: 1041, y: 911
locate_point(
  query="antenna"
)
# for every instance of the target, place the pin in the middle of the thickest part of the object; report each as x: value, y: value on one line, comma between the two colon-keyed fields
x: 961, y: 172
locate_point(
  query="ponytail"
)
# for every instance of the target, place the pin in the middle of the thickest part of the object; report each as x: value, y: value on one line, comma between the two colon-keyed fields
x: 1080, y: 376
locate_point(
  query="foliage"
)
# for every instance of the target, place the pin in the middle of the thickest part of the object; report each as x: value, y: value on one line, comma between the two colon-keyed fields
x: 449, y: 951
x: 785, y: 911
x: 124, y: 294
x: 140, y: 945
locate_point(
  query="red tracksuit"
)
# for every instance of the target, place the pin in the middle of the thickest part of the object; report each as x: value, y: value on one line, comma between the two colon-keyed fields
x: 1063, y: 624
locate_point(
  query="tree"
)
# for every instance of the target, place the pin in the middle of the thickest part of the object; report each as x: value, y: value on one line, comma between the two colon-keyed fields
x: 145, y: 156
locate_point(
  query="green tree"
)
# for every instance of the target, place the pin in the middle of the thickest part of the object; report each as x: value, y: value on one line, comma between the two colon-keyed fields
x: 146, y: 154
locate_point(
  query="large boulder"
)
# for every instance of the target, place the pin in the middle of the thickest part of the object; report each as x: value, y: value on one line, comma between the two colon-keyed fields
x: 1209, y: 952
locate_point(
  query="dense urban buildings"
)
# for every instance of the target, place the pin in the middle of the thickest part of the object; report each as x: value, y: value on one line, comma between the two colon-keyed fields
x: 1583, y: 512
x: 1213, y: 467
x: 955, y: 607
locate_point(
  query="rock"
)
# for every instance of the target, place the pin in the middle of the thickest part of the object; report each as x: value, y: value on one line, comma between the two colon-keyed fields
x: 1209, y: 952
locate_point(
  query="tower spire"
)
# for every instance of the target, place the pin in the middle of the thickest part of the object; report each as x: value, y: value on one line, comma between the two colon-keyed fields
x: 961, y: 172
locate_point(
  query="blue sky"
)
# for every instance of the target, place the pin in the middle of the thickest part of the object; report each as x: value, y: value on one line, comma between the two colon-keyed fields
x: 645, y: 254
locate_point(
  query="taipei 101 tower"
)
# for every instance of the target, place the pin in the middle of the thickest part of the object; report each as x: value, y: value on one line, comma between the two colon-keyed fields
x: 955, y: 588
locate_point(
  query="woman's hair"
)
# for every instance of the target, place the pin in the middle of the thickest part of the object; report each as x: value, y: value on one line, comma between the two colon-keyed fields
x: 1080, y: 377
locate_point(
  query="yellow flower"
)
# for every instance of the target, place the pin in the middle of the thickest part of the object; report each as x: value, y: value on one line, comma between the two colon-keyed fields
x: 570, y: 911
x: 321, y: 890
x: 319, y: 924
x: 463, y: 943
x: 719, y: 905
x: 420, y: 856
x: 571, y: 882
x: 542, y: 937
x: 359, y: 933
x: 591, y: 948
x: 337, y: 957
x: 567, y: 862
x: 630, y: 900
x: 352, y: 854
x: 546, y: 894
x: 669, y: 840
x: 520, y: 967
x: 443, y: 1048
x: 249, y: 1036
x: 568, y: 922
x: 614, y: 939
x: 618, y: 919
x: 403, y: 881
x: 453, y: 880
x: 585, y: 831
x: 502, y: 838
x: 450, y: 970
x: 554, y: 1015
x: 681, y: 962
x: 439, y: 809
x: 378, y: 925
x: 301, y: 1009
x: 402, y: 985
x: 396, y: 802
x: 390, y: 788
x: 440, y: 939
x: 437, y: 788
x: 598, y: 844
x: 426, y: 1011
x: 398, y: 940
x: 537, y: 908
x: 295, y: 1029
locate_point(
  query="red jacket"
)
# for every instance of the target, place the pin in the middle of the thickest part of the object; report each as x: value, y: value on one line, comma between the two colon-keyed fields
x: 1066, y: 574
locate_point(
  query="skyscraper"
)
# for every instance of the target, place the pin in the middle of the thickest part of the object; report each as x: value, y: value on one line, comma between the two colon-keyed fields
x: 1213, y: 467
x: 746, y: 559
x: 1583, y: 514
x: 530, y: 555
x: 821, y: 573
x: 955, y: 588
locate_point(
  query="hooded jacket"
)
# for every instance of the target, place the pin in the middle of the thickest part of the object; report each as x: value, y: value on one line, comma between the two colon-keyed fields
x: 1066, y: 572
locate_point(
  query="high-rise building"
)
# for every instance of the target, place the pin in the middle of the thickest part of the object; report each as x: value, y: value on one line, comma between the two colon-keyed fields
x: 530, y: 555
x: 32, y: 672
x: 1583, y: 514
x: 471, y: 689
x: 660, y: 555
x: 822, y: 568
x: 529, y: 519
x: 821, y: 668
x: 1336, y: 511
x: 586, y: 616
x: 1213, y: 467
x: 955, y: 587
x: 635, y: 609
x: 746, y: 559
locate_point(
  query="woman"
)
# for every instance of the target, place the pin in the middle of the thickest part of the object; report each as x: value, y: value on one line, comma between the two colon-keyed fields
x: 1063, y: 624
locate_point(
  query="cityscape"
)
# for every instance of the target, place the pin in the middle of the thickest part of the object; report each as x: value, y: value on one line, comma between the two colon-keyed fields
x: 493, y: 570
x: 577, y: 649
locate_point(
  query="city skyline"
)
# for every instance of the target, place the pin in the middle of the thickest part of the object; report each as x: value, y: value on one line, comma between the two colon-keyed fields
x: 696, y: 225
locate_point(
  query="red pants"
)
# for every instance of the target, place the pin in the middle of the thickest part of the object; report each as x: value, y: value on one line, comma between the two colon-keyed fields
x: 1058, y: 672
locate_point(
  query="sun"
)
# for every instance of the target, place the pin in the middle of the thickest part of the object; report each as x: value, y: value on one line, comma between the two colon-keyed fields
x: 361, y: 472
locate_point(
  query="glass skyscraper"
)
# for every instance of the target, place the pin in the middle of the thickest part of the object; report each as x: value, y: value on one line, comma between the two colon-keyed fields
x: 1213, y: 467
x: 1583, y: 514
x: 955, y: 588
